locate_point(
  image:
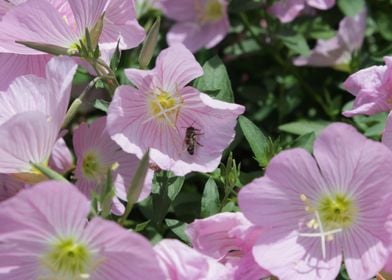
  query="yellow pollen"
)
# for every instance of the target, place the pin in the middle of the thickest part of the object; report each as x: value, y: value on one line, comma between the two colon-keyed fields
x: 163, y: 106
x: 337, y: 211
x: 68, y: 259
x: 212, y: 11
x: 92, y: 167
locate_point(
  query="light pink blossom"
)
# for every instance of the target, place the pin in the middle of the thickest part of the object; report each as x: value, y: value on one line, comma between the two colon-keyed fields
x: 157, y: 113
x: 32, y: 111
x: 315, y: 210
x: 96, y: 153
x: 180, y: 262
x: 199, y: 23
x: 45, y: 234
x: 337, y: 51
x: 61, y: 23
x: 228, y: 238
x: 288, y: 10
x: 61, y: 159
x: 372, y: 88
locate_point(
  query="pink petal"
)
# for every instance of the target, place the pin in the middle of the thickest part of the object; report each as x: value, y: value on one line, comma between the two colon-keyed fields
x: 124, y: 253
x: 121, y: 24
x: 179, y: 10
x: 27, y: 137
x: 14, y: 65
x: 287, y: 10
x: 288, y: 256
x: 61, y: 159
x: 36, y: 21
x: 176, y: 67
x: 321, y: 4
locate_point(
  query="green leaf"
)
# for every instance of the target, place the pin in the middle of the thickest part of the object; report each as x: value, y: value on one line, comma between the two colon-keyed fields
x: 296, y: 43
x: 210, y: 200
x: 305, y: 141
x: 140, y: 227
x: 215, y: 80
x: 256, y: 139
x: 165, y: 190
x: 178, y: 228
x: 101, y: 105
x: 351, y: 7
x: 303, y: 127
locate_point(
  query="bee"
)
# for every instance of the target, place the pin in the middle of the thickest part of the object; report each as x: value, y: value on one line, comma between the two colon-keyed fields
x: 190, y: 140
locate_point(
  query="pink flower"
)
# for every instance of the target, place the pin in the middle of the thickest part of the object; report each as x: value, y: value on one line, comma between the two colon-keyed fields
x: 199, y: 23
x: 315, y: 210
x: 161, y: 111
x: 61, y: 23
x: 32, y: 111
x: 337, y: 51
x: 288, y: 10
x: 46, y: 235
x: 96, y: 154
x: 228, y: 238
x: 180, y: 262
x: 372, y: 88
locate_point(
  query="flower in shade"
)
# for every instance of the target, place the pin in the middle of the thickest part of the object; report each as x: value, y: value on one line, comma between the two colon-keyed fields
x: 199, y: 23
x: 337, y: 51
x: 97, y: 153
x: 56, y: 241
x: 9, y: 186
x: 372, y: 88
x: 316, y: 210
x: 228, y: 238
x: 32, y: 111
x: 61, y: 23
x: 61, y: 159
x: 185, y: 130
x: 180, y: 262
x: 288, y: 10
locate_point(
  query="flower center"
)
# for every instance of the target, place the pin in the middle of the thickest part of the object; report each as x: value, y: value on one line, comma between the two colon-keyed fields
x: 164, y: 106
x: 337, y: 211
x: 91, y: 166
x: 212, y: 11
x: 68, y: 258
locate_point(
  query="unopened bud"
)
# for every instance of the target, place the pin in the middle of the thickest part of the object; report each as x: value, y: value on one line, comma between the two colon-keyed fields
x: 149, y: 45
x: 47, y: 48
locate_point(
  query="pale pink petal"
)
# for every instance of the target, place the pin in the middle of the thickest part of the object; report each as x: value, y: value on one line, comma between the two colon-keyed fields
x: 179, y: 10
x: 27, y: 137
x: 364, y: 254
x: 48, y: 209
x: 180, y: 262
x: 195, y: 37
x: 125, y: 255
x: 288, y: 256
x: 14, y: 65
x: 36, y: 21
x: 321, y: 4
x: 370, y: 86
x: 138, y: 77
x: 176, y: 67
x: 9, y: 186
x: 352, y: 31
x: 387, y: 134
x: 121, y: 24
x: 87, y: 13
x: 48, y: 95
x: 61, y: 159
x: 287, y: 10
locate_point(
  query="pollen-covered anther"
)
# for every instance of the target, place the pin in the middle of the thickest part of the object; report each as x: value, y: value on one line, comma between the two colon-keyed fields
x: 164, y: 106
x: 68, y: 258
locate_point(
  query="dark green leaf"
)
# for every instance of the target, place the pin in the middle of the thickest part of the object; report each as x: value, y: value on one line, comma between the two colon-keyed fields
x: 178, y: 228
x: 351, y: 7
x: 210, y: 200
x: 215, y: 80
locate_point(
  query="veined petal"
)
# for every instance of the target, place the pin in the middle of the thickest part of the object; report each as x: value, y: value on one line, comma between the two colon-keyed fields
x: 176, y: 67
x: 27, y: 137
x: 35, y: 21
